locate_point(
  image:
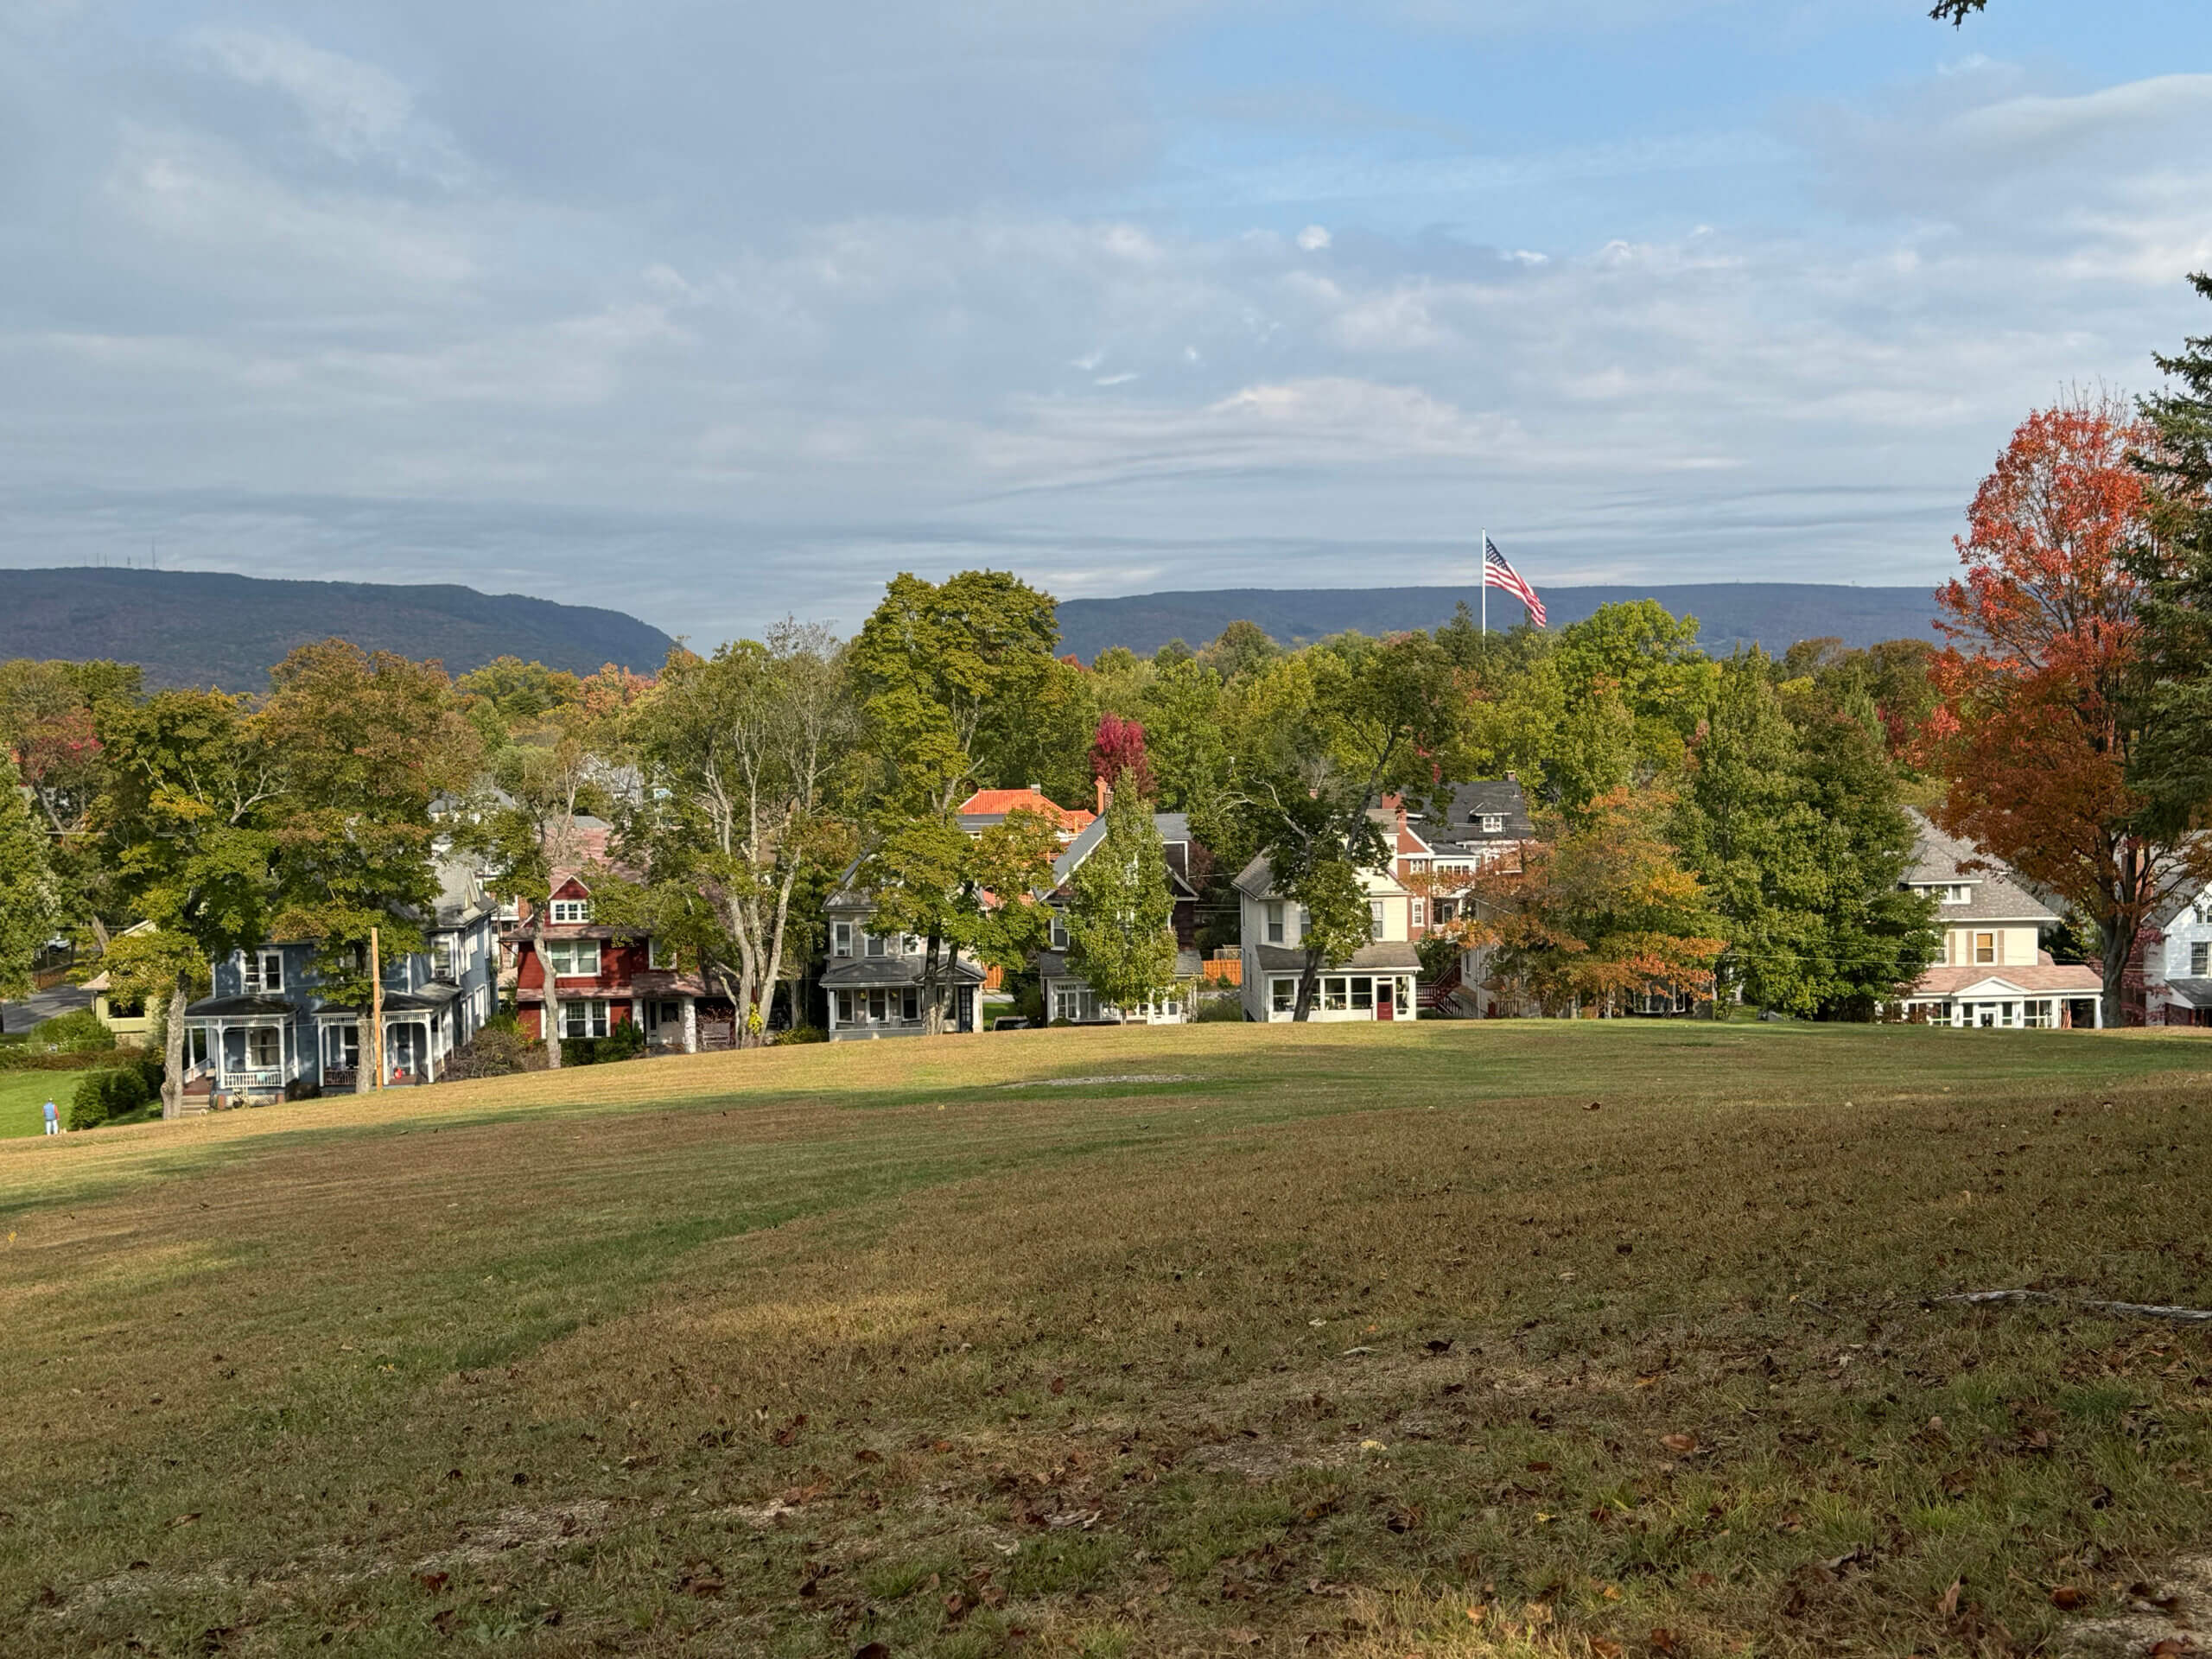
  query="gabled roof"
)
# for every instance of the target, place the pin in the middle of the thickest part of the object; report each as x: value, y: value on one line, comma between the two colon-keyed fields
x: 2044, y: 979
x: 1171, y: 826
x: 1455, y: 815
x: 988, y: 806
x: 1998, y: 894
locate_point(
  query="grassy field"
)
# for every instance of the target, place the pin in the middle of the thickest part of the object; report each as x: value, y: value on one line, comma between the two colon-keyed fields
x: 23, y: 1095
x: 1459, y: 1339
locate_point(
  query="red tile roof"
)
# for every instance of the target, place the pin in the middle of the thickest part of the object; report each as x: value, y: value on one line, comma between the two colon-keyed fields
x: 997, y: 802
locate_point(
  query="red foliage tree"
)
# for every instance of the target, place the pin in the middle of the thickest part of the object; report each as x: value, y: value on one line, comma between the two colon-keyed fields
x: 2043, y: 687
x: 1117, y: 751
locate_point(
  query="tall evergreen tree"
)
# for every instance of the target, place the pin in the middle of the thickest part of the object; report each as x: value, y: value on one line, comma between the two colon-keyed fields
x: 2173, y: 766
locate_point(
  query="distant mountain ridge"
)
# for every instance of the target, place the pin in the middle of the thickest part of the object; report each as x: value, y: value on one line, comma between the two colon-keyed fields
x: 199, y: 628
x: 1772, y: 614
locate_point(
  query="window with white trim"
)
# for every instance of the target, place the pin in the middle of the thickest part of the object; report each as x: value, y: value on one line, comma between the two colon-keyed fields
x: 1283, y: 995
x: 875, y: 945
x: 2200, y: 960
x: 572, y: 958
x: 1275, y: 922
x: 1493, y: 824
x: 570, y: 912
x: 1420, y: 912
x: 1374, y: 918
x: 840, y: 939
x: 264, y: 1046
x: 660, y: 956
x: 261, y: 971
x: 1060, y: 931
x: 582, y: 1017
x: 441, y: 956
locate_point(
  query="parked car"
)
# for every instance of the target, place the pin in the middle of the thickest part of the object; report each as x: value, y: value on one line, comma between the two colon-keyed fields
x: 1012, y: 1022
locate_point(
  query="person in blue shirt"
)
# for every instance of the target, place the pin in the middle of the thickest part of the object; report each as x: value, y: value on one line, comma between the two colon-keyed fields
x: 52, y: 1119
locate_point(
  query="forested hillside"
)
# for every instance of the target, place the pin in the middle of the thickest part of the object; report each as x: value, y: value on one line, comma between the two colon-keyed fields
x: 194, y: 627
x: 1771, y: 615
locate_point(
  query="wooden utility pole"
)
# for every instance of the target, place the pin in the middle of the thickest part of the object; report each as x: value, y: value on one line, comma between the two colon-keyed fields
x: 376, y: 1008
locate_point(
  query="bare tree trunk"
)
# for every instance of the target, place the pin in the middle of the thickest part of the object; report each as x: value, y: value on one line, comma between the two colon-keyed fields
x: 173, y: 1054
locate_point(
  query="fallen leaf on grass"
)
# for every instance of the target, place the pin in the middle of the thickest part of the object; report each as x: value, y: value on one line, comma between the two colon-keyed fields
x: 432, y: 1582
x: 185, y: 1520
x: 1604, y: 1648
x: 2066, y: 1598
x: 1057, y: 1385
x: 1680, y: 1445
x: 867, y: 1454
x: 1664, y: 1640
x: 1243, y: 1638
x: 1949, y: 1606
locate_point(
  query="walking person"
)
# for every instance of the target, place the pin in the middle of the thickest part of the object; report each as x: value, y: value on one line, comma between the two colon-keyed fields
x: 52, y: 1119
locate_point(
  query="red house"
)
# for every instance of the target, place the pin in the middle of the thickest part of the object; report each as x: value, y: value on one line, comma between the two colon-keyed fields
x: 606, y: 976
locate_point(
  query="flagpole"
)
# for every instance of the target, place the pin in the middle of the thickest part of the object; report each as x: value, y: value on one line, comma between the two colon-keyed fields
x: 1481, y: 555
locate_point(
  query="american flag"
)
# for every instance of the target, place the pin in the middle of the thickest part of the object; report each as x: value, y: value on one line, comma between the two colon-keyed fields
x: 1497, y: 573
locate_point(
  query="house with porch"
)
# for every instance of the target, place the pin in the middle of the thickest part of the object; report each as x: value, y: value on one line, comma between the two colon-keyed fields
x: 872, y: 979
x: 1067, y: 995
x: 1381, y: 980
x: 266, y: 1032
x: 1462, y: 831
x: 2173, y: 975
x: 124, y: 1012
x: 1994, y: 971
x: 602, y: 978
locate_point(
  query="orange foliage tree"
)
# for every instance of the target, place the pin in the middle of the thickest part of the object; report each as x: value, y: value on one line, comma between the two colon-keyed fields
x: 2044, y: 694
x: 1598, y: 910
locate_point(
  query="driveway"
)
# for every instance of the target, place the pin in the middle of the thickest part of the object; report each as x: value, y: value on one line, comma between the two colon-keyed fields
x: 43, y: 1005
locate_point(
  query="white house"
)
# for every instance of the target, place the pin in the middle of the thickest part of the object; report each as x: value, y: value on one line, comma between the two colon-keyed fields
x: 1381, y: 980
x: 2176, y: 967
x: 1067, y: 995
x: 1994, y: 971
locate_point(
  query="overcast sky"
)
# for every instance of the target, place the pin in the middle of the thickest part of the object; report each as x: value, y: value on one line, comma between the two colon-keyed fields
x: 715, y: 311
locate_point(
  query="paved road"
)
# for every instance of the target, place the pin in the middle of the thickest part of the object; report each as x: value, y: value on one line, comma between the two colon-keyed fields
x: 62, y: 999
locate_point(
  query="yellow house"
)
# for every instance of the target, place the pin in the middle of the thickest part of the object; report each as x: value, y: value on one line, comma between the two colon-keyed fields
x: 1994, y: 970
x: 128, y: 1017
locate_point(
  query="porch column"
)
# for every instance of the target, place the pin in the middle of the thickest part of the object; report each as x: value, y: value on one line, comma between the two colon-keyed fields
x: 690, y: 1024
x: 430, y: 1049
x: 2100, y: 1006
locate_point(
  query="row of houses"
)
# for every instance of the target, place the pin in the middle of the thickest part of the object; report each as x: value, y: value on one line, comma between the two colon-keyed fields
x: 266, y: 1030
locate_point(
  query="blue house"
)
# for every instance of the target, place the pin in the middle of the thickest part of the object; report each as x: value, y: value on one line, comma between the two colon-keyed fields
x: 266, y: 1032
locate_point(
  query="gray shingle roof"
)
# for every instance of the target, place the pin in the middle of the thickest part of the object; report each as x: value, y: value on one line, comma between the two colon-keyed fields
x: 1391, y: 953
x: 1998, y: 895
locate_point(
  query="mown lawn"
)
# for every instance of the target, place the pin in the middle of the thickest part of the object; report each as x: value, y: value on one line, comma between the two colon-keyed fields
x: 23, y: 1095
x: 1572, y: 1339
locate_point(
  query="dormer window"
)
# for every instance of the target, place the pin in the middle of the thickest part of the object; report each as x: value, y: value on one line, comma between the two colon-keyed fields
x: 1956, y: 892
x: 571, y: 912
x: 1493, y: 824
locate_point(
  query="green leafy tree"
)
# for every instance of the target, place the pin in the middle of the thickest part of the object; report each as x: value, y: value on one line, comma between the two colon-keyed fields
x: 371, y: 745
x: 1120, y: 911
x: 195, y: 792
x: 525, y: 826
x: 946, y: 673
x: 1789, y: 817
x: 743, y: 753
x: 1321, y: 736
x: 31, y: 904
x: 50, y: 717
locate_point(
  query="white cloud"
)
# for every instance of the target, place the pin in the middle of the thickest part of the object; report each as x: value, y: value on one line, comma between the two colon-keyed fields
x: 1313, y: 237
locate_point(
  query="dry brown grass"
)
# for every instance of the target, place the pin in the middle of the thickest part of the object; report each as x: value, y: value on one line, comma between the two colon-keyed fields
x: 1374, y: 1343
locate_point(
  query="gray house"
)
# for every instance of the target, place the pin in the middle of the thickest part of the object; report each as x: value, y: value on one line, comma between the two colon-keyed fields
x: 266, y: 1032
x: 1067, y: 995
